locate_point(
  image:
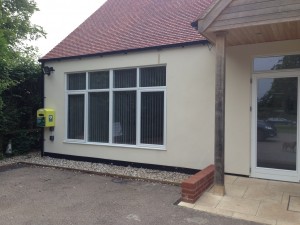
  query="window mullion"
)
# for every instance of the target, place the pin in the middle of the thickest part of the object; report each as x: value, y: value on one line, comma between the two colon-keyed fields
x: 86, y: 111
x: 165, y: 119
x: 110, y: 107
x: 138, y: 111
x: 66, y: 107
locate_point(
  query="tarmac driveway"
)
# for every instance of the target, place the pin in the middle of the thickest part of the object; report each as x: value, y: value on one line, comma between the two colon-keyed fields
x: 42, y: 196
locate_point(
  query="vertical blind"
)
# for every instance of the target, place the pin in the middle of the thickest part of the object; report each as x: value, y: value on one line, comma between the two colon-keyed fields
x: 76, y: 116
x: 124, y: 114
x: 152, y: 118
x: 99, y: 80
x: 125, y: 78
x: 153, y: 76
x: 76, y: 81
x: 99, y: 117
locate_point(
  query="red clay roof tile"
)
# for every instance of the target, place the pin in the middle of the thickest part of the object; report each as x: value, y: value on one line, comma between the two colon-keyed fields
x: 121, y: 25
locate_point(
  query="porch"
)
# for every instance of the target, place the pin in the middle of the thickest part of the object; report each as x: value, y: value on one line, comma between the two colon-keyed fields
x: 258, y: 200
x: 230, y: 23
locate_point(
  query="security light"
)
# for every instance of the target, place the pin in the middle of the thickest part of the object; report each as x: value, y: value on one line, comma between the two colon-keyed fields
x: 47, y: 70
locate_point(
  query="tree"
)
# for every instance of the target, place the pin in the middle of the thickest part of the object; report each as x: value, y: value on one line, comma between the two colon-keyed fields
x: 15, y: 25
x: 18, y: 65
x: 280, y: 100
x: 16, y: 32
x: 287, y: 62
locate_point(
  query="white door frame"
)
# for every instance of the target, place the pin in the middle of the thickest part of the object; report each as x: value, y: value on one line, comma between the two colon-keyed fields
x: 269, y: 173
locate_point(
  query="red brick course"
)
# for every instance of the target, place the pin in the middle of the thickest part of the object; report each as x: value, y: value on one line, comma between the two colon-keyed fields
x: 193, y: 187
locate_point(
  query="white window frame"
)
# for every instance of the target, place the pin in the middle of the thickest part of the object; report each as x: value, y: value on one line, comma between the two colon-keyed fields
x: 269, y: 173
x: 74, y: 92
x: 139, y: 90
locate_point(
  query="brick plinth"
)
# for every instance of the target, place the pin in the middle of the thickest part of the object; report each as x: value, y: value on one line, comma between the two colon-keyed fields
x: 193, y: 187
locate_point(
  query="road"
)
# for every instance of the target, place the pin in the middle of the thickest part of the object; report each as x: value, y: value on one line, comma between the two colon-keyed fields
x: 44, y: 196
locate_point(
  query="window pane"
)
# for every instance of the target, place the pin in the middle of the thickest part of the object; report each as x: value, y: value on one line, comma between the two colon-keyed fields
x: 153, y: 76
x: 276, y: 63
x: 99, y: 80
x: 76, y: 117
x: 277, y: 106
x: 125, y: 78
x: 124, y: 125
x: 152, y: 118
x: 99, y: 117
x: 76, y: 81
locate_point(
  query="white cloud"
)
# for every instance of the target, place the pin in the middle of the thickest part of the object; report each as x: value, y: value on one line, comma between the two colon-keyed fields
x: 59, y: 18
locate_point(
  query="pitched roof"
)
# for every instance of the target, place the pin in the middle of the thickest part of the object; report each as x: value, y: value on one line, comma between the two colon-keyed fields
x: 124, y: 25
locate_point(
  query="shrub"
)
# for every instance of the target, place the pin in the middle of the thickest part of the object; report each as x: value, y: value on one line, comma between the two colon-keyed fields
x: 24, y: 141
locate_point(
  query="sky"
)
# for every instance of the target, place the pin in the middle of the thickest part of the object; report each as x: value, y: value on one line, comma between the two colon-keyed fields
x: 59, y: 18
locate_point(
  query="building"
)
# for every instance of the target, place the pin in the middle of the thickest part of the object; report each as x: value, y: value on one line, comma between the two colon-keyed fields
x: 136, y: 83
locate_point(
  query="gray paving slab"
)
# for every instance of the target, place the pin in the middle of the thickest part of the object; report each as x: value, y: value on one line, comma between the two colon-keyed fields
x: 44, y: 196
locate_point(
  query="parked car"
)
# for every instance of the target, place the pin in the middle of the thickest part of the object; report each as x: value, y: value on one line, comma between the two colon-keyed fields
x: 265, y: 130
x: 281, y: 121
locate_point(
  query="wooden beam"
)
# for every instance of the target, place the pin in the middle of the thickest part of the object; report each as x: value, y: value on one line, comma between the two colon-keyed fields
x: 245, y: 2
x: 219, y: 187
x: 244, y: 23
x: 254, y: 5
x: 258, y: 12
x: 254, y: 20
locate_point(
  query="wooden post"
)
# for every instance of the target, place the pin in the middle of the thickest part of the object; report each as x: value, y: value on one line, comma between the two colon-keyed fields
x: 219, y: 187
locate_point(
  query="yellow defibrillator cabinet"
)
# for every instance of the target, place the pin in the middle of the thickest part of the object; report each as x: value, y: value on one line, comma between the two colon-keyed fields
x: 45, y: 117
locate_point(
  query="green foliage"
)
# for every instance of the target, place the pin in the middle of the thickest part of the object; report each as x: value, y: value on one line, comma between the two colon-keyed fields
x: 21, y: 102
x: 15, y: 25
x: 281, y: 100
x: 288, y: 62
x: 23, y: 99
x: 24, y: 140
x: 19, y: 73
x: 15, y: 31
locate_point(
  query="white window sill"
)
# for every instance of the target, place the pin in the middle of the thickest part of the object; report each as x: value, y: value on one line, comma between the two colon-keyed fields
x: 146, y: 147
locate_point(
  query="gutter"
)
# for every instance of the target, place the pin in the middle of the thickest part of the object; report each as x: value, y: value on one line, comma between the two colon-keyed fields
x: 200, y: 42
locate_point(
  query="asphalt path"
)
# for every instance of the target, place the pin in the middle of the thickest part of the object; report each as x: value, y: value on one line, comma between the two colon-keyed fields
x: 45, y: 196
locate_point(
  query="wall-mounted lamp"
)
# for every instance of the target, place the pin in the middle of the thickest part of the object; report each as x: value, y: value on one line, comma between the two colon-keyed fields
x: 47, y: 70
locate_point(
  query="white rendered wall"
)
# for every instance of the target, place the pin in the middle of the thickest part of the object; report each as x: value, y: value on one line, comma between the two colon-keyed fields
x: 190, y: 107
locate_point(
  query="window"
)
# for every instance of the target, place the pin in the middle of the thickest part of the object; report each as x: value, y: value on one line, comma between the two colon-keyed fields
x: 124, y: 114
x: 99, y: 80
x: 152, y: 117
x: 117, y: 107
x: 125, y: 78
x: 76, y: 83
x: 262, y: 64
x: 76, y: 117
x: 98, y: 117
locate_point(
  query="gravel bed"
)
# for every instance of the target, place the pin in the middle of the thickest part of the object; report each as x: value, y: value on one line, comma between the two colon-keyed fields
x: 99, y: 167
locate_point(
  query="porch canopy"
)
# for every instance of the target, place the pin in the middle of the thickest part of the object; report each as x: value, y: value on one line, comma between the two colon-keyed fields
x: 240, y: 22
x: 251, y: 21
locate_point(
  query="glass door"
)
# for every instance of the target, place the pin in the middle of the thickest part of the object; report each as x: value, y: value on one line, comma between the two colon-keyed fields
x: 275, y: 127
